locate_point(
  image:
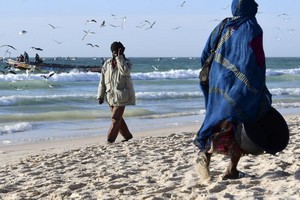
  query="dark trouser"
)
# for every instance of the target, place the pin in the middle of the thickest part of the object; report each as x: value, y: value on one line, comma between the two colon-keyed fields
x: 118, y: 124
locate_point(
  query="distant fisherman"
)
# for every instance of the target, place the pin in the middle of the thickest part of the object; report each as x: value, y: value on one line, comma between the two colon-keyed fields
x: 117, y: 88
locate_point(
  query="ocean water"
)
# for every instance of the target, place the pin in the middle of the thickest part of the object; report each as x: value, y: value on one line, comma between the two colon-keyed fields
x: 33, y: 108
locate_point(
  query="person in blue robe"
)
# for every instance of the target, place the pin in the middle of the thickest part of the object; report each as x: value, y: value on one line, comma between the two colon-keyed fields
x: 236, y: 92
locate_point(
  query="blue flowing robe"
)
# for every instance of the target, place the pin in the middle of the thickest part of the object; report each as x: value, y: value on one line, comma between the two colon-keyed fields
x: 237, y: 91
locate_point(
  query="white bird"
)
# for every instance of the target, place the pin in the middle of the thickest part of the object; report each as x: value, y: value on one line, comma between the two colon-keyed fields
x: 58, y: 42
x: 225, y: 8
x: 48, y: 76
x: 54, y: 27
x: 8, y: 72
x: 90, y: 21
x: 182, y: 4
x: 123, y: 20
x: 176, y: 28
x: 291, y: 30
x: 215, y: 20
x: 87, y: 33
x: 7, y: 45
x: 282, y: 14
x: 155, y: 68
x: 151, y: 24
x: 23, y: 32
x: 92, y: 45
x: 102, y: 24
x: 17, y: 88
x: 115, y: 26
x: 37, y: 48
x: 141, y: 25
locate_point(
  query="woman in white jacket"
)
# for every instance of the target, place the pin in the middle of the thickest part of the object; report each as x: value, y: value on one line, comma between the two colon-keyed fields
x: 116, y: 88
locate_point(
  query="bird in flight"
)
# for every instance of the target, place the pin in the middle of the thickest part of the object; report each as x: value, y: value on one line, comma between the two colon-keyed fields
x: 282, y: 14
x: 46, y: 77
x: 102, y: 24
x: 7, y: 45
x: 9, y: 71
x: 182, y: 4
x: 17, y: 88
x: 225, y: 8
x: 155, y: 68
x: 115, y: 26
x: 151, y: 24
x: 123, y: 20
x: 23, y: 32
x: 92, y: 45
x: 90, y: 21
x: 53, y: 27
x: 87, y: 33
x: 176, y: 28
x: 58, y: 42
x: 37, y: 48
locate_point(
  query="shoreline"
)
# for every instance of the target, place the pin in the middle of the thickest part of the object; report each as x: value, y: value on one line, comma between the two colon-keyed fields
x: 12, y: 153
x: 156, y: 164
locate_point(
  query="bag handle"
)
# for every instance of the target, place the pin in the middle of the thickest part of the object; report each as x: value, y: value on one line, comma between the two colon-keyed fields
x: 219, y: 35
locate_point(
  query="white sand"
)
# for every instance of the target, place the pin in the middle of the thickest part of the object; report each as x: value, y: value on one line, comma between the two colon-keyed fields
x: 160, y: 166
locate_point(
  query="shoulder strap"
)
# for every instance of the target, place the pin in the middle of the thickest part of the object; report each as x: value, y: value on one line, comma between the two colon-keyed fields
x: 219, y: 34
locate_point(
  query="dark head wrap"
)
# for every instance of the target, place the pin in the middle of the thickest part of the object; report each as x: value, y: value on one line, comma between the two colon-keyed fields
x: 115, y: 46
x: 242, y: 10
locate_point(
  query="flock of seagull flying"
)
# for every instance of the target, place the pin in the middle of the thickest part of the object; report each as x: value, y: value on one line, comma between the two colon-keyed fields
x: 146, y: 24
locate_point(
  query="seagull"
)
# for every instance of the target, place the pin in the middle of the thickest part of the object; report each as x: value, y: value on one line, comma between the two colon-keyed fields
x: 7, y: 45
x: 102, y: 24
x: 151, y: 24
x: 37, y: 48
x: 7, y: 52
x: 54, y: 27
x: 141, y: 26
x: 23, y: 32
x: 87, y: 33
x: 48, y: 76
x: 291, y: 30
x: 286, y: 19
x: 90, y: 21
x: 155, y: 68
x: 176, y: 28
x: 58, y: 42
x: 282, y: 14
x: 123, y: 21
x: 29, y: 71
x: 17, y: 88
x: 225, y: 8
x: 115, y: 26
x: 215, y: 20
x: 9, y: 71
x: 182, y: 4
x: 92, y: 45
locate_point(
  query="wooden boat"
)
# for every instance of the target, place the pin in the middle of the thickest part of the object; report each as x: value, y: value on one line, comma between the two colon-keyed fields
x: 51, y: 66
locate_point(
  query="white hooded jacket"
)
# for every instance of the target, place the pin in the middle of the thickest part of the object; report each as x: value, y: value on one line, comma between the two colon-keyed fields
x: 116, y: 84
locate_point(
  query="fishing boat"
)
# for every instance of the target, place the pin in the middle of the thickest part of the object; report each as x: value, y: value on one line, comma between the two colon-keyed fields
x: 51, y: 66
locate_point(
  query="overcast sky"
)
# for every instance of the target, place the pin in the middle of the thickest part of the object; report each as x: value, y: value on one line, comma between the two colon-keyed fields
x: 180, y: 29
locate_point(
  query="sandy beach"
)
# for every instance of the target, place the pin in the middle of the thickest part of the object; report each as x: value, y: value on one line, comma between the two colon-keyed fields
x: 156, y: 164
